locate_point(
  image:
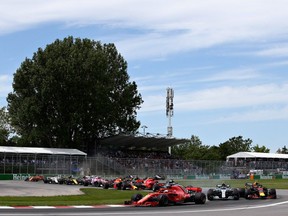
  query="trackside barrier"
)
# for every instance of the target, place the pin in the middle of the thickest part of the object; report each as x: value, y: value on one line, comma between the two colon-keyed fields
x: 6, y: 177
x: 19, y: 176
x: 190, y: 177
x: 23, y: 176
x: 278, y: 177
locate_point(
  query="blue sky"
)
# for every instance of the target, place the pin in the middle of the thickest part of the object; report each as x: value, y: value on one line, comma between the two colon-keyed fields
x: 225, y: 59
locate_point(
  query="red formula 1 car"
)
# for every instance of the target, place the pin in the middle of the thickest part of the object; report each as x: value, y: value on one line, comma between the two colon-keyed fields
x: 149, y: 183
x: 256, y: 191
x: 35, y: 178
x: 171, y: 194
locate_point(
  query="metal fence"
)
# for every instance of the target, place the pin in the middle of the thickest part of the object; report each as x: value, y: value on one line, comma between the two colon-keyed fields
x: 40, y: 164
x: 108, y: 166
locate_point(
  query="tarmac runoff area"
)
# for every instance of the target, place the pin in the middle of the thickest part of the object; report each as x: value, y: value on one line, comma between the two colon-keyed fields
x: 24, y: 188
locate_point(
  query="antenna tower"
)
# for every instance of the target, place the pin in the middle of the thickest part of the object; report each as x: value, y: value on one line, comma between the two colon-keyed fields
x: 169, y: 110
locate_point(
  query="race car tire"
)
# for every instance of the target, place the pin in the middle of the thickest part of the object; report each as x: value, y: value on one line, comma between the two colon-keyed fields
x: 119, y: 186
x: 163, y: 200
x: 96, y: 184
x: 241, y: 192
x: 236, y: 194
x: 155, y: 187
x: 266, y: 192
x: 200, y: 198
x: 105, y: 186
x: 247, y: 193
x: 136, y: 197
x: 210, y: 195
x: 272, y: 193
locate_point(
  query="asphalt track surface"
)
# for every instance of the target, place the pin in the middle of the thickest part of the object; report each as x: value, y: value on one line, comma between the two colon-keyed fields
x: 277, y: 207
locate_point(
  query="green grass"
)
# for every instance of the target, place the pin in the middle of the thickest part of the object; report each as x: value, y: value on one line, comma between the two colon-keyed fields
x: 93, y: 196
x: 237, y: 183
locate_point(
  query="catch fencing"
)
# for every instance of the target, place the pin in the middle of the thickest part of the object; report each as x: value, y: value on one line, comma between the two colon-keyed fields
x: 108, y: 166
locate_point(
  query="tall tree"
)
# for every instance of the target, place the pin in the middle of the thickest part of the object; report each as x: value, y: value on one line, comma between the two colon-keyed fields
x: 72, y: 93
x: 189, y: 150
x: 195, y: 150
x: 283, y: 150
x: 262, y: 149
x: 234, y: 145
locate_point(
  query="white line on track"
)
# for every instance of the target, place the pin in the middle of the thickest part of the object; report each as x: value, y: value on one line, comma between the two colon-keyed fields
x: 187, y: 211
x: 148, y: 212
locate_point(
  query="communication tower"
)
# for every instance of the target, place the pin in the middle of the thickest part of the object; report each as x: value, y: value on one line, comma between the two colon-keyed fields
x: 169, y: 110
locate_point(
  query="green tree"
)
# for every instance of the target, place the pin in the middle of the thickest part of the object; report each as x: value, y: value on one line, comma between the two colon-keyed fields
x: 262, y: 149
x: 189, y: 150
x: 72, y: 93
x: 195, y: 150
x: 213, y: 153
x: 234, y: 145
x: 283, y: 150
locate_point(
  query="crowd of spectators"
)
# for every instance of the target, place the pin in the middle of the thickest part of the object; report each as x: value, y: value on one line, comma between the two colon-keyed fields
x: 148, y: 161
x: 258, y: 164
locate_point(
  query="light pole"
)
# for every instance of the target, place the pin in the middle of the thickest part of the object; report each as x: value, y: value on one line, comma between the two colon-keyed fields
x: 144, y: 127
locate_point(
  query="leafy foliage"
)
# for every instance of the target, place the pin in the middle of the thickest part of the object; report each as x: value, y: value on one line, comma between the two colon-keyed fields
x: 195, y: 150
x: 72, y: 93
x: 262, y: 149
x: 283, y: 150
x: 234, y: 145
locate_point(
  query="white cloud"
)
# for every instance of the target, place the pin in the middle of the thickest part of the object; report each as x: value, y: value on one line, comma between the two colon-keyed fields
x: 234, y: 97
x: 259, y: 114
x: 190, y: 24
x: 226, y: 97
x: 281, y: 50
x: 230, y: 75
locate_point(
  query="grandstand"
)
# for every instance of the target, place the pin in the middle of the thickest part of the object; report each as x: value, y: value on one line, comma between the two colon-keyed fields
x: 132, y: 155
x: 111, y: 156
x: 39, y: 160
x: 257, y: 160
x: 153, y: 142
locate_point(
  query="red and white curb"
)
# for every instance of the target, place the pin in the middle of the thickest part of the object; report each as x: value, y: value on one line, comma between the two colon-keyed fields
x: 61, y: 207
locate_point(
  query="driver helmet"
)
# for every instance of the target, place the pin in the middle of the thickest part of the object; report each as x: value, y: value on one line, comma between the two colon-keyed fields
x: 170, y: 182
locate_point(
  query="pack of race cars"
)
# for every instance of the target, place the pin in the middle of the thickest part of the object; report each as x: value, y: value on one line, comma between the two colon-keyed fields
x: 165, y: 192
x: 172, y: 193
x: 120, y: 183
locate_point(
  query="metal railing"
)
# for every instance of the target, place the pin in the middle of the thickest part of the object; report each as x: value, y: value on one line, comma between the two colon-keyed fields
x: 109, y: 166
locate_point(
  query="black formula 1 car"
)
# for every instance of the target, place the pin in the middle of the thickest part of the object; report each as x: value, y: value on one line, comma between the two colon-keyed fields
x: 223, y: 191
x: 256, y: 191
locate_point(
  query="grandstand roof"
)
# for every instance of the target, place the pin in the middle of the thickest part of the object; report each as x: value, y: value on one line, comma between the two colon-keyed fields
x: 140, y: 142
x: 257, y: 155
x: 34, y: 150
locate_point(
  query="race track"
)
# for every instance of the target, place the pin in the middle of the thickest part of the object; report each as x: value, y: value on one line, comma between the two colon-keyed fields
x: 277, y: 207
